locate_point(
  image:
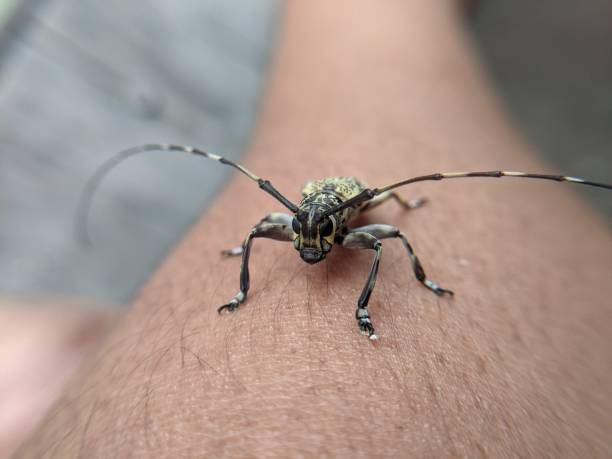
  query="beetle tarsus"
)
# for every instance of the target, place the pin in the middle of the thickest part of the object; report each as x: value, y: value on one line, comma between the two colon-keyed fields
x: 234, y: 251
x: 415, y: 203
x: 365, y: 323
x: 233, y: 304
x: 408, y: 204
x: 228, y: 306
x: 436, y: 288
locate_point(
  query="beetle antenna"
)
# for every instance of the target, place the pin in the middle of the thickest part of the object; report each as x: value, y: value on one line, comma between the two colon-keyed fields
x: 370, y: 193
x: 84, y: 206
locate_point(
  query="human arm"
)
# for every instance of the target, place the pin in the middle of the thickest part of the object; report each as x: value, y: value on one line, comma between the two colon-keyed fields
x: 517, y: 363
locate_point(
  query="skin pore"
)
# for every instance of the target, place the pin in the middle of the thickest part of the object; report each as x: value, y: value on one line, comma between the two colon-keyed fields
x: 516, y: 364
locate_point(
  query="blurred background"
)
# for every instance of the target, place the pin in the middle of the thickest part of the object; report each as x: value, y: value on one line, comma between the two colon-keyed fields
x: 81, y: 80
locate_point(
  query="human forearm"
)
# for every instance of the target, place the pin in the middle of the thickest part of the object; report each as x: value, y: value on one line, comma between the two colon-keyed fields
x: 381, y: 93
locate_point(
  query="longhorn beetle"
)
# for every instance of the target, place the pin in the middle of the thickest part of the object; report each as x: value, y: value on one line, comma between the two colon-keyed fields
x: 320, y: 220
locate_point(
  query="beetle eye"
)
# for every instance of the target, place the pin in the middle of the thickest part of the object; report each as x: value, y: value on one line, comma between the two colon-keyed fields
x: 296, y: 226
x: 326, y: 228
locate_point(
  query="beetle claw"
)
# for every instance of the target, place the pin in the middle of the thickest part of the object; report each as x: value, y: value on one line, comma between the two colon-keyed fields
x: 232, y: 305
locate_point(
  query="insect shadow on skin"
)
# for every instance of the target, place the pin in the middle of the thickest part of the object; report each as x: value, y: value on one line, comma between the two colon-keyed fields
x: 320, y: 220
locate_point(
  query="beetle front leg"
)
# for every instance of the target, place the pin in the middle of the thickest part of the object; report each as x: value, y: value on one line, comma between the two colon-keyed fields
x: 362, y: 240
x: 387, y: 231
x: 276, y: 231
x: 274, y: 217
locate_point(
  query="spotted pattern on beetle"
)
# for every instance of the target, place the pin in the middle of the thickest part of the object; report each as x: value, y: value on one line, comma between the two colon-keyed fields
x: 332, y: 191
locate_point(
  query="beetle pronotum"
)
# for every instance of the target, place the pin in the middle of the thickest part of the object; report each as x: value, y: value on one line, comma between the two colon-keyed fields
x: 320, y: 220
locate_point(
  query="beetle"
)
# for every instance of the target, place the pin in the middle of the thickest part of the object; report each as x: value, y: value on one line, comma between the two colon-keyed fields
x: 320, y: 220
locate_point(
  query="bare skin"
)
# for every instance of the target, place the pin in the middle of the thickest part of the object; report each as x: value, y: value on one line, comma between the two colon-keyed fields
x: 517, y: 364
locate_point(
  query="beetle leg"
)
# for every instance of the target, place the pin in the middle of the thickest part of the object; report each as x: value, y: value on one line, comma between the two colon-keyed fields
x: 275, y: 217
x: 387, y: 231
x: 383, y: 197
x: 362, y: 240
x: 276, y: 231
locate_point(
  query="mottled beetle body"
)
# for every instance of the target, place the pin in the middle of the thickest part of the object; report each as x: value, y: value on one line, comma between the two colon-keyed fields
x: 321, y: 219
x: 315, y: 235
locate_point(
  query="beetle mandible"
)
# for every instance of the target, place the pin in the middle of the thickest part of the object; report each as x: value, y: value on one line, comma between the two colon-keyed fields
x: 320, y: 220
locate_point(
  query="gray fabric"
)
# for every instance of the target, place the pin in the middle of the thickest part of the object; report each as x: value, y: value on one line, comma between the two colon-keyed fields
x: 86, y: 79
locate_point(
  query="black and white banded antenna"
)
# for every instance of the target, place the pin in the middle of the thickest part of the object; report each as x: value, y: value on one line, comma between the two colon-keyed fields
x: 370, y: 193
x: 92, y: 185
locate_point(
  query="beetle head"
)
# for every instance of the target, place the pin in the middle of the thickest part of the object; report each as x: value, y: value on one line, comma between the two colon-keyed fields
x: 314, y: 233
